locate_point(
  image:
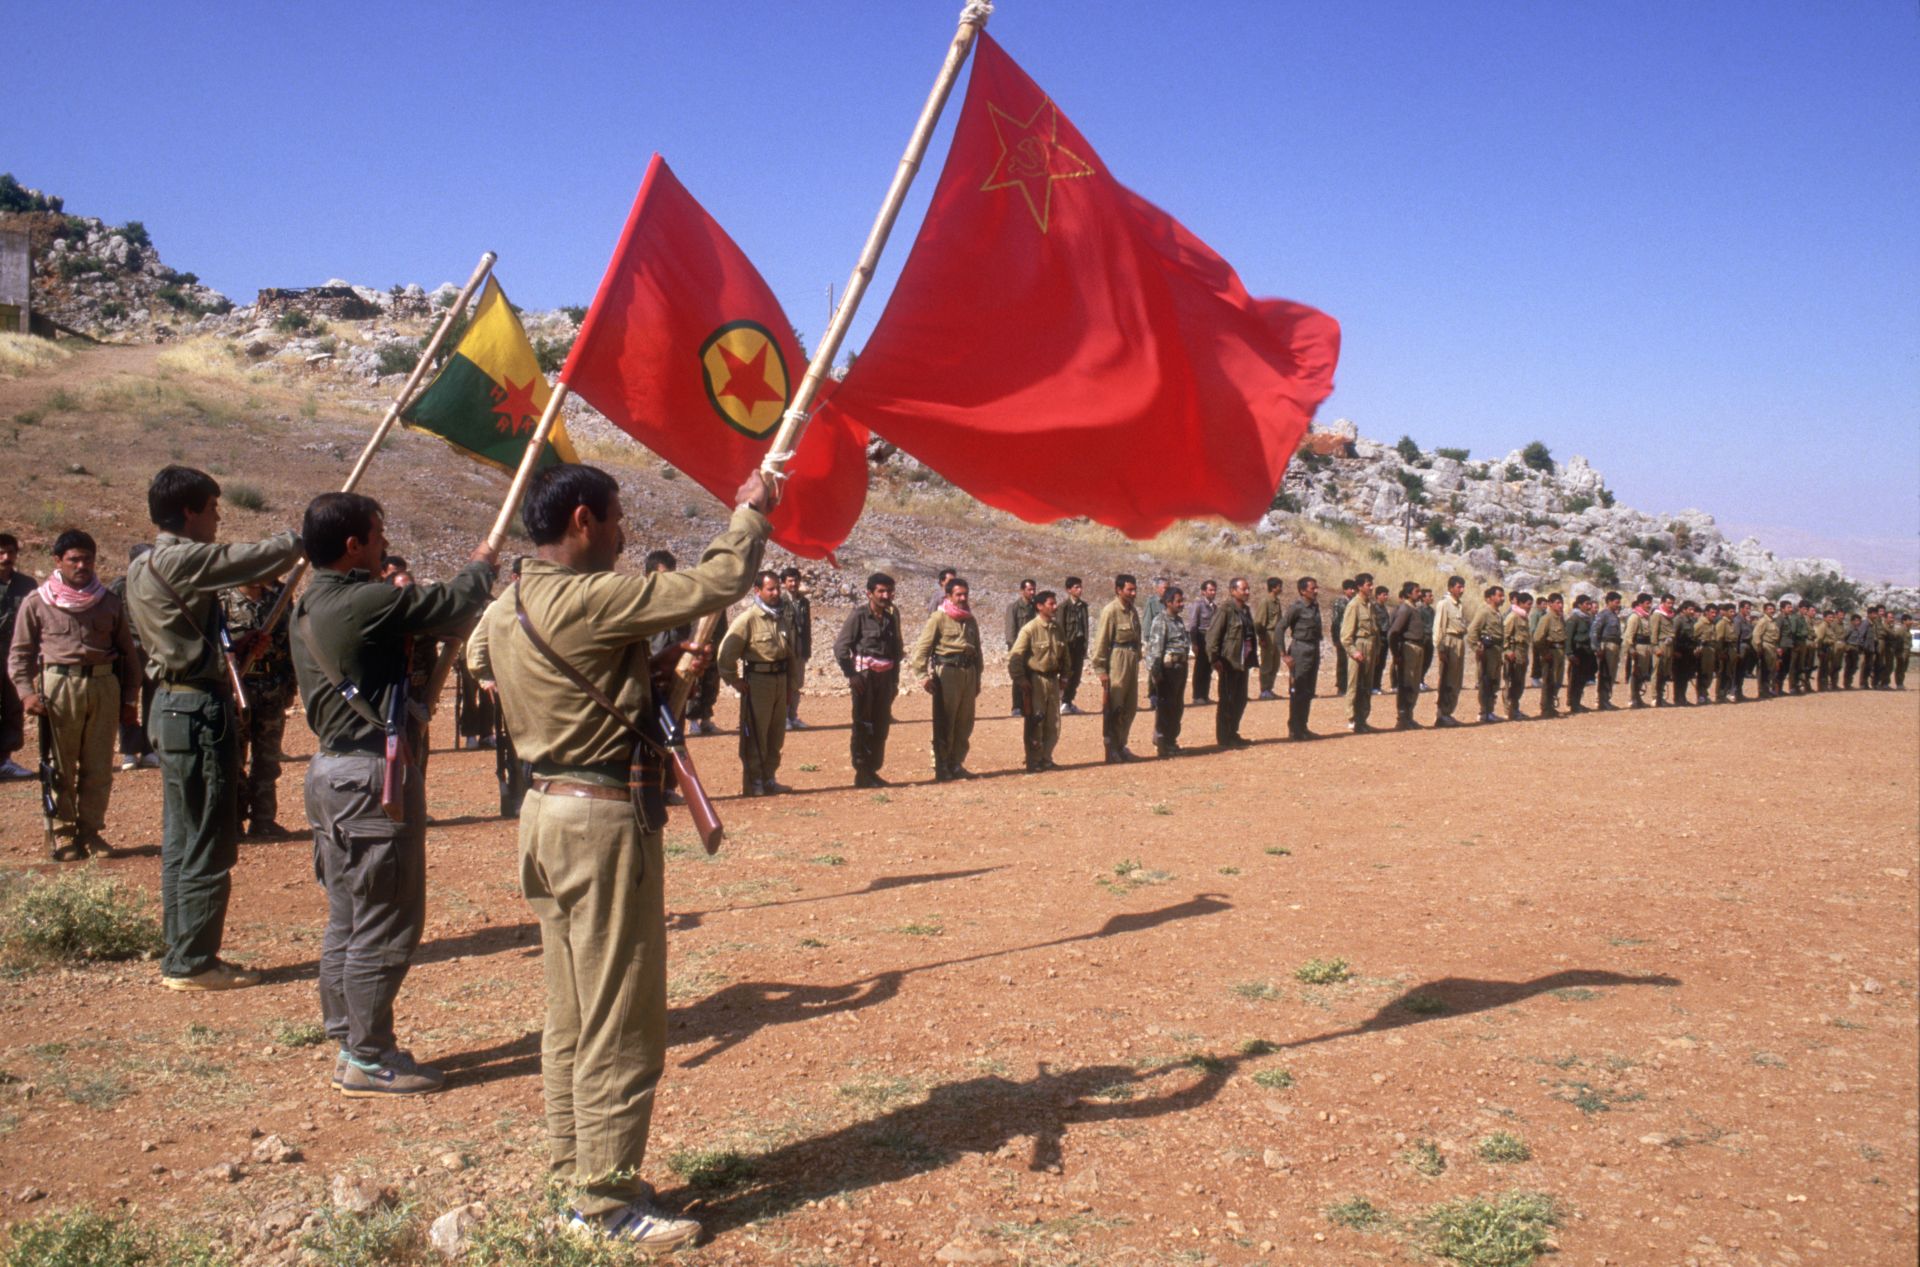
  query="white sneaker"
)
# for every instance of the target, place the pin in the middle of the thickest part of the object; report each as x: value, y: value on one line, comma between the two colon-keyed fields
x: 129, y: 764
x: 14, y: 770
x: 635, y: 1223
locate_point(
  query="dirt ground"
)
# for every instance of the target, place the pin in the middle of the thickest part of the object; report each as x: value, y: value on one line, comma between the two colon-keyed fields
x: 1010, y: 1020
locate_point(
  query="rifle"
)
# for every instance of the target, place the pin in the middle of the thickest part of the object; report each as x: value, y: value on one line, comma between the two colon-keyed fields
x: 49, y: 773
x: 672, y: 740
x: 393, y: 774
x: 241, y: 708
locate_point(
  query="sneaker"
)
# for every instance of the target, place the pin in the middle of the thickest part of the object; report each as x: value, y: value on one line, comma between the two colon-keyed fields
x: 269, y: 830
x: 128, y: 764
x: 398, y: 1074
x: 14, y: 770
x: 340, y: 1063
x: 1268, y: 695
x: 69, y: 851
x: 637, y: 1224
x: 794, y: 723
x: 705, y: 726
x: 148, y: 761
x: 95, y: 844
x: 221, y: 975
x: 773, y: 788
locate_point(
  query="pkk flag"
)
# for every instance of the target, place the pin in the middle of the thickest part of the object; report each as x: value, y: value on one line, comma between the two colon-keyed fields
x: 487, y: 399
x: 1059, y: 346
x: 687, y: 351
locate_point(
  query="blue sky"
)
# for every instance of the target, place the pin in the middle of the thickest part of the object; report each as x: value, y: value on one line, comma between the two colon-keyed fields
x: 1677, y: 238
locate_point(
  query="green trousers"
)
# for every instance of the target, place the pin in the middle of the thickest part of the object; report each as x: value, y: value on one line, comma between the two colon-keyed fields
x: 1360, y: 691
x: 593, y: 879
x: 1123, y: 696
x: 1453, y: 666
x: 85, y: 717
x: 1042, y: 729
x: 194, y: 735
x: 955, y: 688
x: 763, y: 727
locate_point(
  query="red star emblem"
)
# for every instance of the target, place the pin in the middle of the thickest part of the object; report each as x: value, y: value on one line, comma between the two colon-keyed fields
x: 747, y: 380
x: 515, y: 412
x: 1032, y: 158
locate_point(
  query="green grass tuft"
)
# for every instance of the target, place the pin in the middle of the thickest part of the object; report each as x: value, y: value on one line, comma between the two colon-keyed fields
x: 78, y: 916
x: 1357, y: 1213
x: 84, y: 1238
x: 1323, y: 972
x: 711, y: 1168
x: 1503, y: 1147
x: 298, y: 1033
x: 1504, y: 1231
x: 1425, y: 1156
x: 1263, y: 991
x: 1273, y: 1079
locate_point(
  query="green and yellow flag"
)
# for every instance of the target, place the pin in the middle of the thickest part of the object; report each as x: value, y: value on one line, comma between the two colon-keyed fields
x: 488, y: 398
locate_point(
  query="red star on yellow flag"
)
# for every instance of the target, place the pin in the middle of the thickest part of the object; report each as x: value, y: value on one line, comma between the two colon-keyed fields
x: 1032, y: 158
x: 747, y: 380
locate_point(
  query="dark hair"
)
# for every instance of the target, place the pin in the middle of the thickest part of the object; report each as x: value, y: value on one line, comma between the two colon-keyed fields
x: 330, y: 519
x: 1347, y: 583
x: 8, y: 541
x: 1666, y: 598
x: 790, y: 573
x: 879, y: 578
x: 1455, y: 580
x: 73, y: 539
x: 1491, y: 590
x: 1521, y: 596
x: 763, y: 576
x: 1642, y: 597
x: 1300, y: 586
x: 1125, y: 578
x: 1209, y: 581
x: 1071, y: 582
x: 1026, y: 582
x: 1613, y: 596
x: 1044, y: 596
x: 394, y: 563
x: 554, y: 494
x: 947, y: 574
x: 1274, y: 583
x: 1556, y: 597
x: 175, y: 491
x: 1409, y: 588
x: 956, y: 580
x: 1364, y: 578
x: 1173, y: 592
x: 659, y: 560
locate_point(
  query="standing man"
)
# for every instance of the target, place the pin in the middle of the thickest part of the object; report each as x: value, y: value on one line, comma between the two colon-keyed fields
x: 760, y: 642
x: 1517, y: 633
x: 136, y: 750
x: 1075, y: 625
x: 1116, y: 662
x: 72, y: 661
x: 1300, y: 627
x: 1484, y: 636
x: 1582, y: 663
x: 173, y: 600
x: 1035, y: 661
x: 1723, y: 637
x: 946, y: 659
x: 354, y: 659
x: 1664, y: 629
x: 15, y: 586
x: 1857, y: 627
x: 1706, y: 652
x: 1019, y: 613
x: 1450, y: 648
x: 1550, y: 654
x: 1359, y: 631
x: 1402, y: 626
x: 1233, y: 646
x: 940, y: 590
x: 706, y: 690
x: 1606, y: 635
x: 1424, y: 613
x: 1743, y: 654
x: 270, y: 689
x: 1155, y: 604
x: 1199, y: 619
x: 1266, y: 624
x: 1341, y: 660
x: 1639, y: 648
x: 869, y: 651
x: 1169, y: 647
x: 1766, y: 651
x: 1377, y: 663
x: 797, y: 608
x: 1787, y: 624
x: 591, y: 866
x: 1902, y: 648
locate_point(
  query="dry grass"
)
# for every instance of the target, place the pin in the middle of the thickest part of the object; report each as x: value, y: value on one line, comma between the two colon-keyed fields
x: 207, y: 357
x: 22, y: 354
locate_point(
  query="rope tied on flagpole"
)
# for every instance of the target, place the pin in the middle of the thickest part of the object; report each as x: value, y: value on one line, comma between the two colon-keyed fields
x: 976, y: 12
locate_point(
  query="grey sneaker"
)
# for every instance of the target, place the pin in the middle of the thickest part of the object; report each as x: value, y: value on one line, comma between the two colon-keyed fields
x: 14, y: 770
x: 637, y: 1224
x: 398, y: 1074
x: 220, y: 976
x: 340, y: 1063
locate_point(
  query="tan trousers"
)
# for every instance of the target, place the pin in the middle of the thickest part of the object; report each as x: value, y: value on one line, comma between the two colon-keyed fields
x: 593, y: 879
x: 763, y: 727
x: 1042, y: 729
x: 1453, y: 663
x: 1360, y: 687
x: 956, y: 687
x: 1269, y: 661
x: 1123, y: 695
x: 85, y: 717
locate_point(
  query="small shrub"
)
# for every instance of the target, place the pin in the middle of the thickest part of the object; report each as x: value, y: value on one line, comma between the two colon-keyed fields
x: 84, y: 1238
x: 1423, y: 1004
x: 1537, y: 457
x: 1604, y: 573
x: 1827, y: 589
x: 380, y: 1237
x: 575, y: 313
x: 1425, y: 1157
x: 1514, y: 473
x: 1323, y: 972
x: 1606, y: 497
x: 1357, y: 1213
x: 135, y: 233
x: 1273, y: 1079
x: 72, y: 266
x: 1408, y: 450
x: 292, y: 321
x: 1504, y: 553
x: 1258, y: 1047
x: 1260, y: 991
x: 397, y: 358
x: 1439, y: 534
x: 1574, y: 551
x: 1285, y: 502
x: 245, y: 496
x: 1457, y: 455
x: 1415, y: 485
x: 1577, y: 505
x: 1506, y: 1231
x: 1477, y: 473
x: 711, y: 1168
x: 17, y: 197
x: 1473, y: 539
x: 298, y: 1033
x: 1682, y: 535
x: 84, y: 916
x: 1502, y: 1148
x: 551, y: 354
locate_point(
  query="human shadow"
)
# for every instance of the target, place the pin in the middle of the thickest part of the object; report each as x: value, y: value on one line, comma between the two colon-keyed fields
x: 515, y: 1058
x: 683, y: 921
x: 734, y: 1013
x: 489, y: 940
x: 1446, y: 997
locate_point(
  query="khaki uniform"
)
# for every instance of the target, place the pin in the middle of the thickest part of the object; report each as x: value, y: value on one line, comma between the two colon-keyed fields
x: 1267, y: 610
x: 1550, y: 659
x: 590, y: 869
x: 270, y: 689
x: 193, y: 728
x: 1450, y: 648
x: 1360, y: 636
x: 948, y: 652
x: 757, y: 659
x: 1038, y: 657
x: 1116, y: 657
x: 1488, y: 644
x: 1766, y: 647
x: 1516, y: 634
x: 1664, y: 629
x: 1639, y: 648
x: 82, y: 664
x: 1902, y: 652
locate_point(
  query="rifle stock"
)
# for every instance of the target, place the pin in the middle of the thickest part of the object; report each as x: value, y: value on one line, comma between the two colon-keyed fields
x: 706, y: 820
x: 49, y: 774
x: 393, y: 776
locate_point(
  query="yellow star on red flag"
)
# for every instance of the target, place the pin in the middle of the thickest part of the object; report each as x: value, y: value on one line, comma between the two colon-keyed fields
x: 1032, y: 158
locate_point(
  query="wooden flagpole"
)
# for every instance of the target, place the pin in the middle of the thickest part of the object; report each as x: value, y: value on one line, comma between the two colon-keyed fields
x: 528, y: 460
x: 380, y: 433
x: 972, y: 18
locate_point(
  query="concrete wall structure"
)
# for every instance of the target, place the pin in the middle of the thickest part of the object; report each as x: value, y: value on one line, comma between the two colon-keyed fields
x: 16, y: 272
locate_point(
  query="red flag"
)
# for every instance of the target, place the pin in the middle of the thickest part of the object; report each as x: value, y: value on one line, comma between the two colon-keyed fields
x: 1059, y: 346
x: 688, y: 352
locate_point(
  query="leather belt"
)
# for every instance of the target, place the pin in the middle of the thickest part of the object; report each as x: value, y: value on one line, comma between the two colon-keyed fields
x: 588, y: 791
x: 761, y: 666
x: 81, y: 670
x: 952, y: 661
x: 189, y: 688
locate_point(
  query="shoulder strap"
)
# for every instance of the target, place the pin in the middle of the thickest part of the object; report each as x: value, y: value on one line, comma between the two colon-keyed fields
x: 348, y: 691
x: 573, y: 675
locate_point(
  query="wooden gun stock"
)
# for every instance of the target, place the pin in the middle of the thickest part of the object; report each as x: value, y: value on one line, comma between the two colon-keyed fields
x: 706, y: 820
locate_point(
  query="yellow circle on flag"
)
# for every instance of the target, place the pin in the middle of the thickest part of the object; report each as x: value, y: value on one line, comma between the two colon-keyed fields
x: 746, y: 377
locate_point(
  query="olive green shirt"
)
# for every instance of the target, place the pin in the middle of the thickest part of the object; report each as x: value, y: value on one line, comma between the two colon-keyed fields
x: 758, y: 637
x: 1514, y: 628
x: 1665, y: 629
x: 1484, y: 627
x: 942, y: 635
x: 1552, y: 630
x: 197, y: 571
x: 1037, y: 648
x: 1119, y: 627
x: 1766, y: 634
x: 599, y: 622
x: 1358, y: 629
